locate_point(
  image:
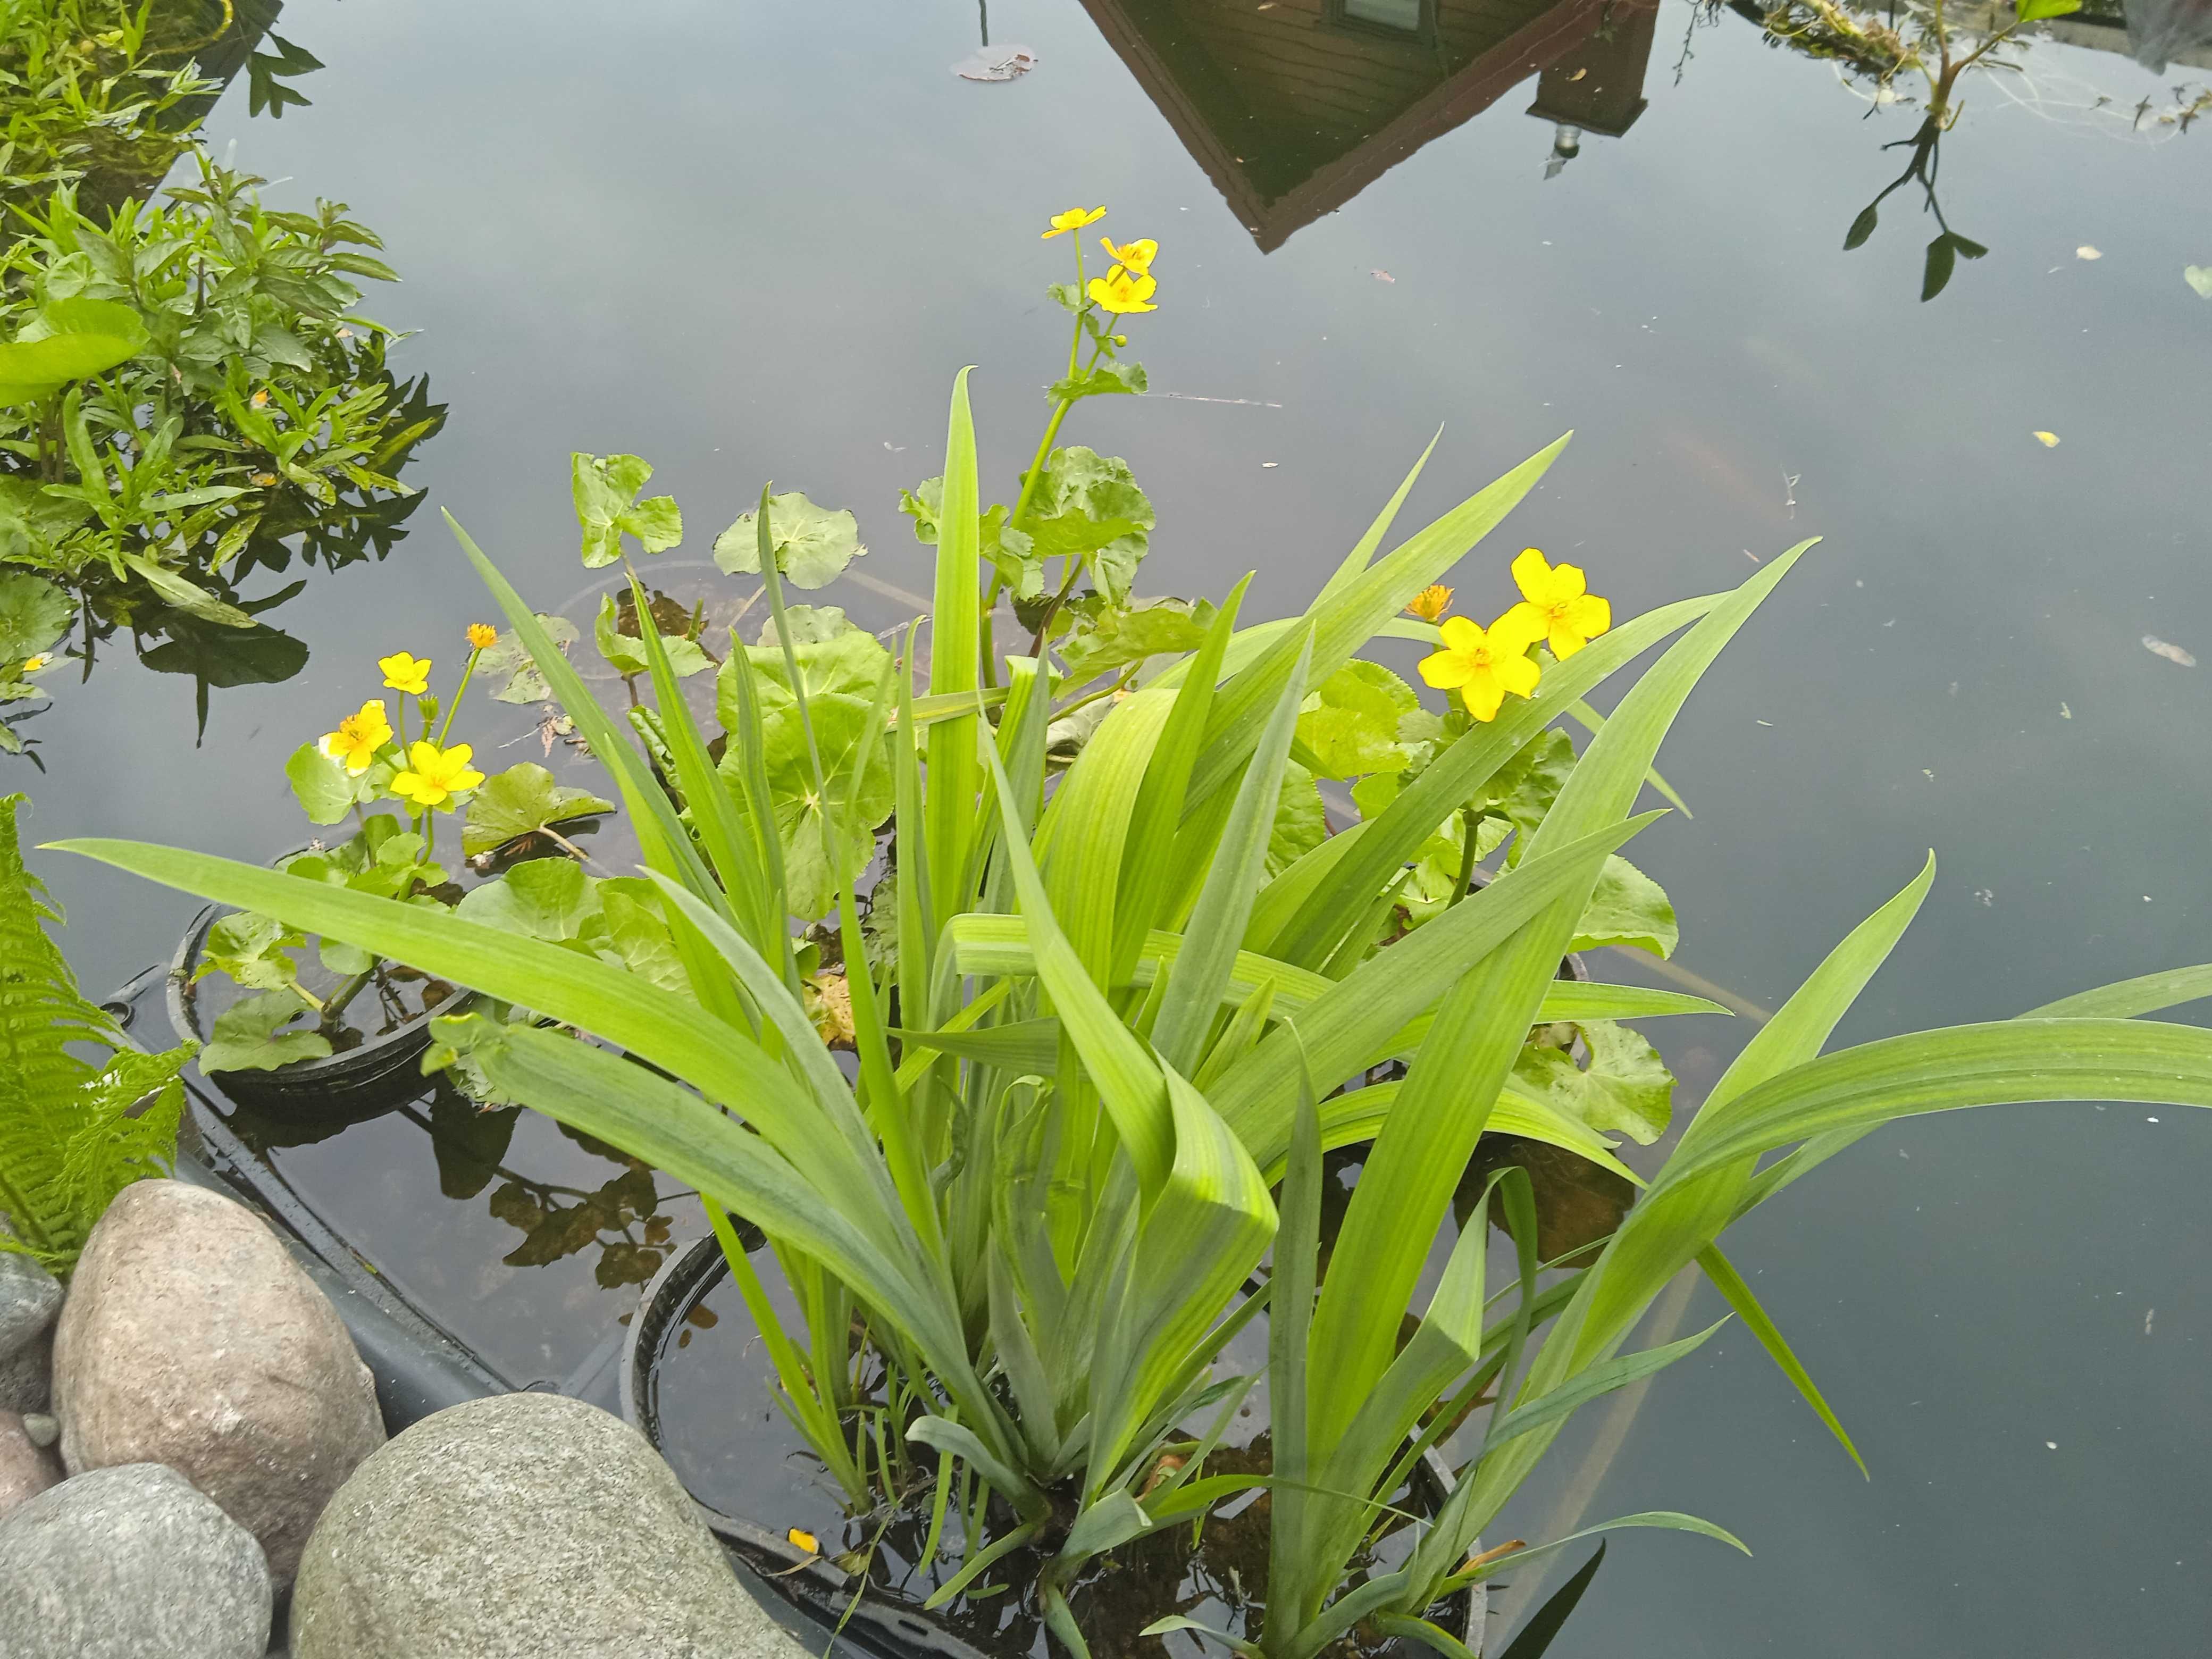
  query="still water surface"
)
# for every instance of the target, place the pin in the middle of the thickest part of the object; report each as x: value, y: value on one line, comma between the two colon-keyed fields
x: 749, y: 239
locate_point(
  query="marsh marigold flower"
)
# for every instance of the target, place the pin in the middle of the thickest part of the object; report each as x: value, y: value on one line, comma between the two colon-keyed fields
x: 1481, y: 666
x: 1555, y: 602
x: 482, y: 636
x: 33, y: 665
x: 1432, y: 602
x: 403, y: 672
x: 1073, y: 219
x: 1119, y: 292
x: 355, y: 744
x: 1137, y: 256
x: 434, y: 775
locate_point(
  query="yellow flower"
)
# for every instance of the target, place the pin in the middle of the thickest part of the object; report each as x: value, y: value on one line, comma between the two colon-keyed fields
x: 806, y: 1541
x: 1554, y: 604
x: 1482, y: 667
x: 1138, y: 255
x: 482, y: 636
x: 404, y: 673
x: 434, y: 775
x: 259, y: 400
x: 33, y: 665
x: 1073, y: 219
x: 1431, y: 602
x: 264, y: 480
x: 1119, y: 292
x: 359, y: 737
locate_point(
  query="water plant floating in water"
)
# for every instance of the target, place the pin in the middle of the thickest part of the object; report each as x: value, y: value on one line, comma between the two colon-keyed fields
x: 1096, y: 1073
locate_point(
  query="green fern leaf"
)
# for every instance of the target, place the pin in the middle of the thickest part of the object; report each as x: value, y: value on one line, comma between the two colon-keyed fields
x: 69, y: 1139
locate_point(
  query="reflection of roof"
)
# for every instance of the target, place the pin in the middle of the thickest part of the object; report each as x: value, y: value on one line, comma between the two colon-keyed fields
x: 1295, y: 108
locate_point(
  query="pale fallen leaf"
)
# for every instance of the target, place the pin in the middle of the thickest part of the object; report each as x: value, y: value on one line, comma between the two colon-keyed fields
x: 2048, y: 440
x: 2198, y: 277
x: 2158, y: 647
x: 2085, y: 252
x: 1577, y: 76
x: 1381, y: 275
x: 1006, y: 62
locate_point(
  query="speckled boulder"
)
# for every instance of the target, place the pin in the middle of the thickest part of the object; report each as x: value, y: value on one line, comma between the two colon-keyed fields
x: 26, y: 1376
x: 27, y: 1468
x: 527, y: 1526
x: 30, y: 1296
x: 191, y: 1338
x: 130, y: 1562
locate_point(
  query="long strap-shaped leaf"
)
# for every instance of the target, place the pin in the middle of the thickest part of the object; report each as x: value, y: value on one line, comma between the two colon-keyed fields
x: 1200, y: 977
x: 955, y: 664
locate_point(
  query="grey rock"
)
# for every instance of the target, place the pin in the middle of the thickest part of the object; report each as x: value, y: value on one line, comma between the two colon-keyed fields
x: 30, y: 1296
x: 26, y: 1376
x: 27, y: 1467
x: 128, y: 1562
x: 43, y: 1429
x: 191, y: 1338
x: 527, y: 1526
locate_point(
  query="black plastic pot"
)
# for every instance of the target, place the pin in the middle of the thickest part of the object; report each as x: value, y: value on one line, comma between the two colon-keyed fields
x: 821, y: 1592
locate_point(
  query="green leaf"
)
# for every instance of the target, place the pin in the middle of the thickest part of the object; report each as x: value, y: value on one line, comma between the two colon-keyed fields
x: 248, y: 1037
x: 1862, y: 226
x: 69, y: 340
x: 250, y: 949
x: 515, y: 802
x: 2034, y: 11
x: 1107, y: 377
x: 1301, y: 820
x: 1350, y: 723
x: 807, y: 625
x: 188, y: 597
x: 604, y: 488
x: 325, y: 789
x: 1627, y: 907
x: 1730, y: 1284
x: 34, y: 614
x: 813, y: 544
x: 548, y: 899
x: 506, y: 668
x: 1106, y: 635
x: 626, y: 652
x: 839, y: 675
x: 1602, y: 1379
x: 1088, y: 505
x: 1627, y: 1087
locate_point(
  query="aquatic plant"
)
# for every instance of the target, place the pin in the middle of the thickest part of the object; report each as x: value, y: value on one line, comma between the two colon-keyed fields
x: 1100, y: 1020
x: 188, y: 397
x: 72, y: 1135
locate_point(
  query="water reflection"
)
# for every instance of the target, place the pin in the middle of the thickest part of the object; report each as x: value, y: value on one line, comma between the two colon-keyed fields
x: 245, y: 421
x: 1294, y: 107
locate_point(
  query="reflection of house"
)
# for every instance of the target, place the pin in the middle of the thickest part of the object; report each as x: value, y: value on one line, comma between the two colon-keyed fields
x: 1295, y: 106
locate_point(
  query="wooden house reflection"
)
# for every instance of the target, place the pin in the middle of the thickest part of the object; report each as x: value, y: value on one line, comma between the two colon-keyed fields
x: 1294, y: 107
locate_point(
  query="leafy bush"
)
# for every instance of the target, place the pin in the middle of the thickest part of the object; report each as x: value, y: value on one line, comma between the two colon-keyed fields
x: 69, y: 1139
x: 220, y: 410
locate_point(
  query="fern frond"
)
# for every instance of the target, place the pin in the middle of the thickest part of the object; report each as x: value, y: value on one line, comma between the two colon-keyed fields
x: 68, y: 1144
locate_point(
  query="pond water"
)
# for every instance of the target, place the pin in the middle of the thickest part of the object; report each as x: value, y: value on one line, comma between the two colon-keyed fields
x: 755, y: 240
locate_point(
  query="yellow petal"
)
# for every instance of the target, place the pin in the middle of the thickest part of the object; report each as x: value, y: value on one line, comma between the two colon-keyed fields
x: 1518, y: 675
x: 1564, y: 641
x: 1459, y: 634
x: 1483, y: 694
x: 1512, y: 633
x: 1589, y: 616
x: 1568, y: 582
x: 2048, y: 440
x: 1531, y: 571
x: 1445, y: 669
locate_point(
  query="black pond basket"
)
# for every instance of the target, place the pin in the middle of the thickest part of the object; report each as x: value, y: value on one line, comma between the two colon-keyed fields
x: 819, y: 1590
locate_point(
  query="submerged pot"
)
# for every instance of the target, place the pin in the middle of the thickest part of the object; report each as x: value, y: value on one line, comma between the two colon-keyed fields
x: 382, y: 1070
x: 891, y: 1626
